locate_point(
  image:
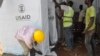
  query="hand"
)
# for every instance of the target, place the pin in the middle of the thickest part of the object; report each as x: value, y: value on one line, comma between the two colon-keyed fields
x: 33, y: 50
x: 85, y: 31
x: 35, y: 43
x: 39, y: 52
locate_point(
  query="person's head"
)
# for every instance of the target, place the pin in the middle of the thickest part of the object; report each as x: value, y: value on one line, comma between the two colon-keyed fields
x: 89, y: 2
x: 55, y: 1
x: 70, y: 3
x: 81, y: 7
x: 63, y: 3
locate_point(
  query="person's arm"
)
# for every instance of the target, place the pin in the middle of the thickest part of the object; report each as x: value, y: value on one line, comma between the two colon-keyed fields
x: 90, y: 23
x: 61, y: 13
x: 58, y: 13
x: 56, y: 4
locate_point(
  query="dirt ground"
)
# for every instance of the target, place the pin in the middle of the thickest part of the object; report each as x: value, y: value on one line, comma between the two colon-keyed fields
x: 79, y: 50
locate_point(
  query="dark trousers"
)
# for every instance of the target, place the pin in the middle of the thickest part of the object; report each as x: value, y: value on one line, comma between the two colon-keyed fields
x: 89, y: 43
x: 68, y: 34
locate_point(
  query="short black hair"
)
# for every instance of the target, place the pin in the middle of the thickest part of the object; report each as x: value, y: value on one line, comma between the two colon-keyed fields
x: 70, y: 3
x: 63, y: 3
x: 91, y: 1
x: 81, y: 7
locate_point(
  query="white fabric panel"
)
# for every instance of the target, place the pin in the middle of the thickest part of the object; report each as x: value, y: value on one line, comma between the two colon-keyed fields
x: 15, y: 14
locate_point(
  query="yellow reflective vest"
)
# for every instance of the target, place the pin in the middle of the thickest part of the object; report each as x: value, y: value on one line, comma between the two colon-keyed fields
x: 68, y: 15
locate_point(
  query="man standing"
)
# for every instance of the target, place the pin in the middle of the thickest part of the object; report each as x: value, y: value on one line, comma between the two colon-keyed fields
x: 67, y: 24
x: 90, y: 26
x: 81, y: 14
x: 59, y: 20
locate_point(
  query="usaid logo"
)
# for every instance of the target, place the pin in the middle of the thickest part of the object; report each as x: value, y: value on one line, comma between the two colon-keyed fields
x: 21, y: 8
x: 22, y: 16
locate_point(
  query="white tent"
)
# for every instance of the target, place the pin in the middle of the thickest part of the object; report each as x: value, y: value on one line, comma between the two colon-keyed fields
x: 14, y: 14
